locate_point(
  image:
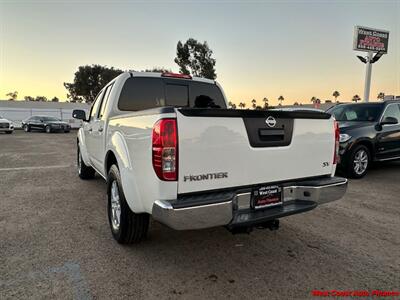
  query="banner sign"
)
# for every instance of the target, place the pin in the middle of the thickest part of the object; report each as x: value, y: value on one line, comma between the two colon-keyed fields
x: 370, y: 40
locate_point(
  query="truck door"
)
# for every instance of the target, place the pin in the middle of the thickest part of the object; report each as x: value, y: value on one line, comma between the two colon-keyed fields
x: 98, y: 132
x: 88, y: 129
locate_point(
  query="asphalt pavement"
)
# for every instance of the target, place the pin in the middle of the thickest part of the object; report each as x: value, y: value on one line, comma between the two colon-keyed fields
x: 55, y: 241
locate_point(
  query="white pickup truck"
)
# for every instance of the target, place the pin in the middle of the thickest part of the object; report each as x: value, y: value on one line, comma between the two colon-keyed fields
x: 169, y: 148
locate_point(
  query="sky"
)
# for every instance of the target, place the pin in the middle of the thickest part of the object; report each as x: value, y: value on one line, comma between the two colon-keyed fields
x: 298, y: 49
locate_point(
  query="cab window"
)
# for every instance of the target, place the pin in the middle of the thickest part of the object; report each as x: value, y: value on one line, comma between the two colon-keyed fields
x: 95, y: 105
x: 105, y: 100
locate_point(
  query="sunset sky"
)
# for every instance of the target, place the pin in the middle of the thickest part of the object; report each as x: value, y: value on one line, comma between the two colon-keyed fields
x: 263, y: 48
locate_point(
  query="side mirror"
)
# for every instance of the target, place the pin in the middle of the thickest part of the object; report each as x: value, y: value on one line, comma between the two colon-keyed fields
x: 79, y: 114
x: 389, y: 121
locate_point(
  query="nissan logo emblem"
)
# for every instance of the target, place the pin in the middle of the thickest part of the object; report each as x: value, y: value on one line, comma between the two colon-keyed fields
x: 270, y: 121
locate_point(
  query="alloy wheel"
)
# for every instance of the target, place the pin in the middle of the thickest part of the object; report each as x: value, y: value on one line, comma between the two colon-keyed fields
x: 360, y: 162
x: 115, y: 206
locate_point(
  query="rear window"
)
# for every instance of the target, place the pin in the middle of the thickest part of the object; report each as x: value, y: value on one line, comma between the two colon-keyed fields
x: 139, y: 93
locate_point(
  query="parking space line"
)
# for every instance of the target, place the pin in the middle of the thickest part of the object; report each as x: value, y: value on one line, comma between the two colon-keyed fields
x: 36, y: 168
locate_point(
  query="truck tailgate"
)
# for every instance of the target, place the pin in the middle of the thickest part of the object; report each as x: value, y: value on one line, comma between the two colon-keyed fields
x: 221, y: 148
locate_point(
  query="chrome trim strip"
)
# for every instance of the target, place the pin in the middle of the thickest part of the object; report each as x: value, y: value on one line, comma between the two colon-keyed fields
x: 196, y: 217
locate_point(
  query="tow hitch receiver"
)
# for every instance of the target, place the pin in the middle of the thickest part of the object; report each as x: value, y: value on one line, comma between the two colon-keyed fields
x: 271, y: 225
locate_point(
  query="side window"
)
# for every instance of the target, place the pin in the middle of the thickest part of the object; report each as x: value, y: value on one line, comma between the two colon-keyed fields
x: 393, y: 111
x: 105, y: 100
x: 176, y: 95
x: 139, y: 93
x: 95, y: 105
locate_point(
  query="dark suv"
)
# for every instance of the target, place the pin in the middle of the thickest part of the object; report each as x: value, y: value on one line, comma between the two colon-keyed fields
x: 368, y: 132
x: 45, y: 123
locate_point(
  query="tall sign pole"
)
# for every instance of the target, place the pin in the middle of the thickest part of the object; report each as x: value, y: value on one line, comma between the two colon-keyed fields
x: 368, y: 70
x: 372, y: 41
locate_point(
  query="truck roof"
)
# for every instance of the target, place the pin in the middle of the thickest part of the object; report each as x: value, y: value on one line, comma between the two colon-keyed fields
x: 157, y: 74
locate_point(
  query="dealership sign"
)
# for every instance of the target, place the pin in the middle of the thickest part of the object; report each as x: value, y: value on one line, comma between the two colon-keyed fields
x: 370, y: 40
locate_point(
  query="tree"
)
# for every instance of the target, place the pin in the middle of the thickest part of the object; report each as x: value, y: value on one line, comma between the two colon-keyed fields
x: 242, y: 105
x: 195, y: 58
x: 313, y: 99
x: 40, y: 99
x: 296, y: 103
x: 356, y: 98
x: 381, y: 96
x: 29, y: 98
x: 88, y: 81
x: 281, y: 99
x: 254, y: 103
x: 12, y: 96
x: 265, y: 100
x: 55, y: 99
x: 336, y: 94
x: 233, y: 106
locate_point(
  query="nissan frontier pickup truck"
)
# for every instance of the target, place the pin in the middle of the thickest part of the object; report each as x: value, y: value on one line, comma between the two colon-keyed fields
x: 169, y: 149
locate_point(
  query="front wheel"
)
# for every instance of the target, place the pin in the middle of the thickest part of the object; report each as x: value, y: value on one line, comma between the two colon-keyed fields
x: 48, y: 129
x: 27, y: 128
x: 359, y: 161
x: 84, y: 171
x: 126, y: 226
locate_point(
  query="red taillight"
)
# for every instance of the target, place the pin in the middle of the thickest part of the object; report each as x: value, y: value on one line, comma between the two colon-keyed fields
x: 176, y: 75
x: 337, y: 137
x: 165, y: 149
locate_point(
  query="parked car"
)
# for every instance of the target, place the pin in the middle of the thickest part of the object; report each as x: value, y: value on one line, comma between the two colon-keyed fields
x: 45, y: 123
x: 368, y: 132
x: 6, y: 125
x: 169, y: 148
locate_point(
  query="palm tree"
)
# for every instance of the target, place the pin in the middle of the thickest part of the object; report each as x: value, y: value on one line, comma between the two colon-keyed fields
x: 313, y: 99
x: 254, y: 103
x: 281, y: 99
x: 265, y: 100
x: 356, y: 98
x: 336, y: 94
x: 233, y: 106
x: 381, y: 96
x: 242, y: 105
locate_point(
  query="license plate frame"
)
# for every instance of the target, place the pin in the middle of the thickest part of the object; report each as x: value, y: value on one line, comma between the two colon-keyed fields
x: 266, y: 196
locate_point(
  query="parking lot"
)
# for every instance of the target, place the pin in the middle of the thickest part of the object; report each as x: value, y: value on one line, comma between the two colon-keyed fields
x: 55, y: 241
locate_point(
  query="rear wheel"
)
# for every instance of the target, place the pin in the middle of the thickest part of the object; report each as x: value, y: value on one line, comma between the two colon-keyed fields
x: 84, y: 171
x: 48, y: 129
x: 126, y: 226
x: 359, y: 161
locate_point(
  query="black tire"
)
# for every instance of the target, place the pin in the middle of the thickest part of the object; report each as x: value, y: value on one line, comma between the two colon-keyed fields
x: 132, y: 227
x: 47, y: 129
x: 27, y: 128
x: 356, y: 152
x: 84, y: 171
x: 66, y: 131
x: 9, y: 132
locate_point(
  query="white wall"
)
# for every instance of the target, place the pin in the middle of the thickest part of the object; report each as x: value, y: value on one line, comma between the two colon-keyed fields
x: 16, y: 111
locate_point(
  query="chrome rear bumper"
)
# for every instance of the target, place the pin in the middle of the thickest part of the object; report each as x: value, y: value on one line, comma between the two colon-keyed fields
x: 233, y: 208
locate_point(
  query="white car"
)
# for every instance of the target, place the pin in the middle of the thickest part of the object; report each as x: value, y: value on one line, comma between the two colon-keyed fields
x: 6, y: 125
x: 168, y: 148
